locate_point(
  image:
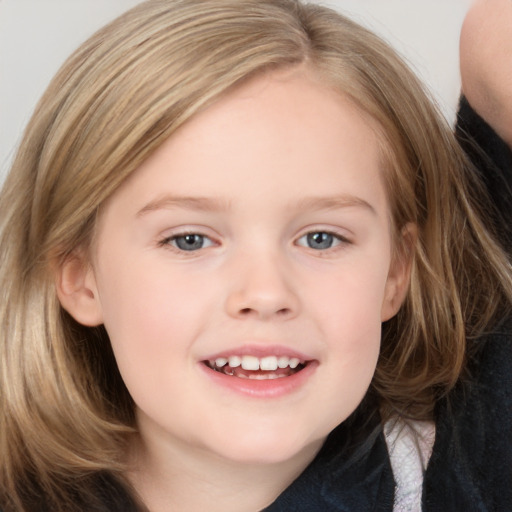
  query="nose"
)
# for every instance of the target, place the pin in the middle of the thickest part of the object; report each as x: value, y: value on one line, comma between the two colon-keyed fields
x: 261, y: 287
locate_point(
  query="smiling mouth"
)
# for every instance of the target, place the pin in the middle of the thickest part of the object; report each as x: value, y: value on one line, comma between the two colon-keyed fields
x: 251, y: 367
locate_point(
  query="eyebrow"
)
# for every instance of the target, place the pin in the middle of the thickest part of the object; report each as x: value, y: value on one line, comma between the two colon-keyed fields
x: 334, y: 203
x: 205, y: 204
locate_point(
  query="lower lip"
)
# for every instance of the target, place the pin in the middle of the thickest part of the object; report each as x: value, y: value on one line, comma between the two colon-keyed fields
x: 269, y: 388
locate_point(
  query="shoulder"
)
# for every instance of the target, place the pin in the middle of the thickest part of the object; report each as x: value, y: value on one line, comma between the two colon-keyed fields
x: 471, y: 464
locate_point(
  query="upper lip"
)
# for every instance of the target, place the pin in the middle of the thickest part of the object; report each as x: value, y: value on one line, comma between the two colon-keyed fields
x: 260, y: 351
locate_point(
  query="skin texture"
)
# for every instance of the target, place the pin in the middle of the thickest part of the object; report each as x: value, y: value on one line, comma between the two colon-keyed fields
x: 281, y: 157
x: 486, y: 63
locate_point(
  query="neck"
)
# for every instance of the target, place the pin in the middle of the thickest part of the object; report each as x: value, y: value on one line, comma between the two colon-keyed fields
x: 173, y: 479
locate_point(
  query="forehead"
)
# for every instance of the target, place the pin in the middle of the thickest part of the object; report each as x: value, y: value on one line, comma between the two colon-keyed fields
x: 284, y: 134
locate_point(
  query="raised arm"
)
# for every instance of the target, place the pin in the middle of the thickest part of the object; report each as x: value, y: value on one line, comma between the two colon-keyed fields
x: 486, y: 63
x: 484, y: 123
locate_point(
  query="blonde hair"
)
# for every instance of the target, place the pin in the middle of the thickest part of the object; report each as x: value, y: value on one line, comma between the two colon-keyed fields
x: 65, y: 413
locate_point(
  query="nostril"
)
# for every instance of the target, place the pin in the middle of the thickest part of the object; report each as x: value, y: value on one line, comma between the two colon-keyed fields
x: 250, y: 311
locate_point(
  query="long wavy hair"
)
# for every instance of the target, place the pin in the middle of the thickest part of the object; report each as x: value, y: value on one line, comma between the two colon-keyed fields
x: 65, y: 413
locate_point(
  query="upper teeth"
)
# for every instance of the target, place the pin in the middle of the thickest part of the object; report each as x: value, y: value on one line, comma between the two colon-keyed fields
x: 256, y: 363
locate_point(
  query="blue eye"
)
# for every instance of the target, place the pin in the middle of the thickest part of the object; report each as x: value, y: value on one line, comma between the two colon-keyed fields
x: 320, y: 240
x: 188, y: 242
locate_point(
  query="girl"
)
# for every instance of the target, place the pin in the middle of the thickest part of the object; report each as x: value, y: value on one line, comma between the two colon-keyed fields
x: 238, y: 245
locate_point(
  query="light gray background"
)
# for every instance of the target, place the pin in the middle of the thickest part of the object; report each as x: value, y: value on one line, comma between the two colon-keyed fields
x: 37, y: 35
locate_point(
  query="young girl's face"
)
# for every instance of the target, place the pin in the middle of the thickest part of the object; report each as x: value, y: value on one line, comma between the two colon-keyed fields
x: 243, y: 273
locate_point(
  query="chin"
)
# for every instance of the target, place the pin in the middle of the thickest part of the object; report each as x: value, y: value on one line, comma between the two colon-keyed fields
x: 269, y: 449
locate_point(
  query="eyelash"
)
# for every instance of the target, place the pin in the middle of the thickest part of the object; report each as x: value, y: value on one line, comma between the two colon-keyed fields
x: 173, y: 241
x: 335, y: 238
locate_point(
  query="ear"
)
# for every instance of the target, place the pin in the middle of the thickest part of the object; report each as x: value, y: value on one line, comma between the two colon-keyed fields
x: 77, y: 290
x: 397, y: 283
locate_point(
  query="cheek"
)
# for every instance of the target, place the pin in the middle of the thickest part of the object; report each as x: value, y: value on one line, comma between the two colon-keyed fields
x: 353, y: 331
x: 149, y: 312
x: 350, y: 324
x: 352, y: 297
x: 153, y: 319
